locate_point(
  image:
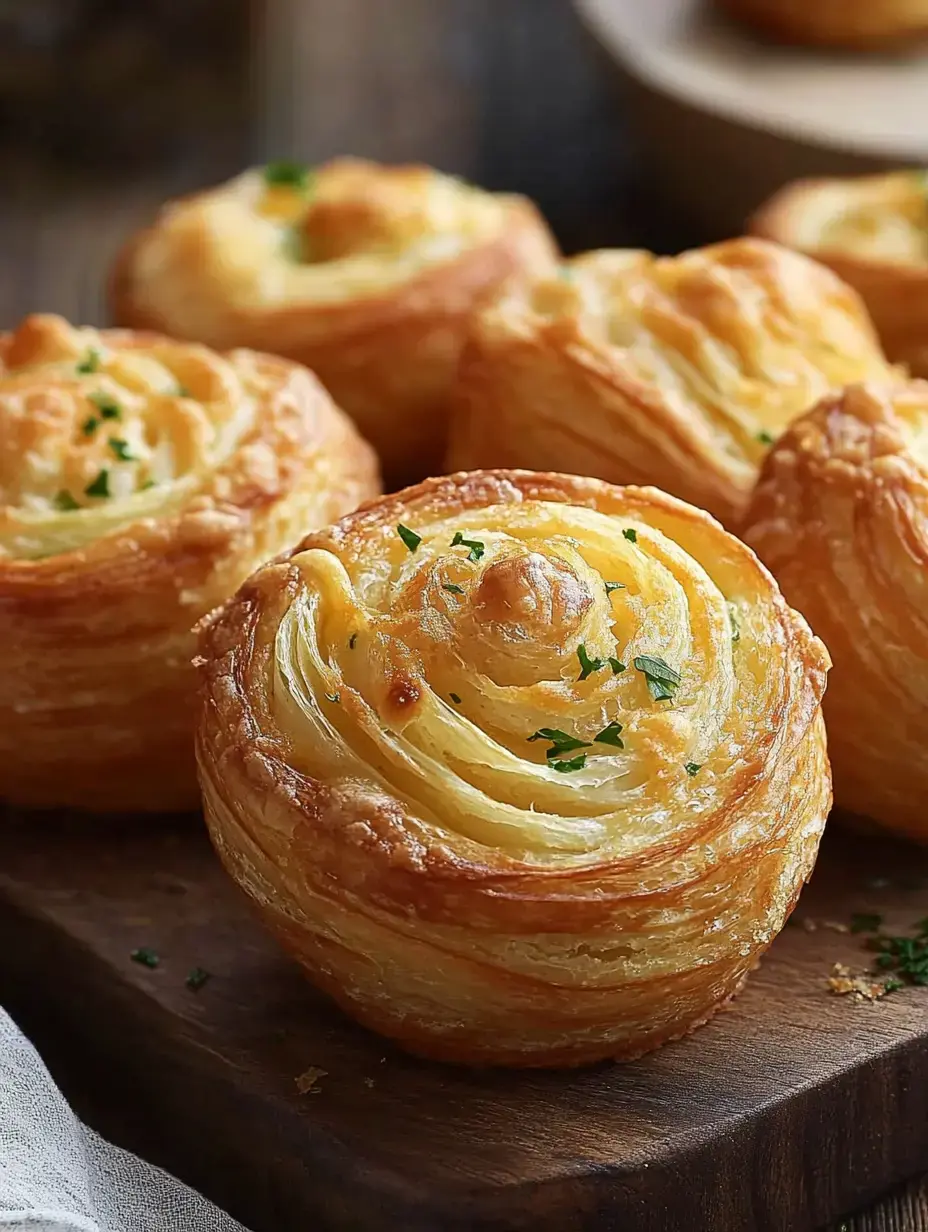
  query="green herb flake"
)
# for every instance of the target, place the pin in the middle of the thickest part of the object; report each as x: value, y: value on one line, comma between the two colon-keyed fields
x: 196, y: 978
x: 334, y: 698
x: 182, y: 392
x: 610, y: 735
x: 108, y: 407
x: 452, y: 589
x: 149, y: 483
x: 90, y: 361
x: 409, y: 537
x: 561, y: 742
x: 765, y: 438
x: 454, y: 697
x: 734, y: 619
x: 611, y: 586
x: 90, y: 425
x: 692, y: 768
x: 121, y: 449
x: 64, y: 501
x: 352, y: 641
x: 145, y: 956
x: 477, y: 548
x: 865, y: 922
x: 567, y: 767
x: 631, y: 535
x: 616, y: 664
x: 662, y: 679
x: 892, y: 984
x: 100, y: 486
x: 287, y: 174
x: 587, y: 665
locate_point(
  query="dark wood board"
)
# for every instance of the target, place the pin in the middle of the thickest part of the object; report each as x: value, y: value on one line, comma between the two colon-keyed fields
x: 788, y: 1109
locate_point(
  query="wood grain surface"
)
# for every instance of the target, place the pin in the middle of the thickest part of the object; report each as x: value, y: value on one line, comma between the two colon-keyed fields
x: 508, y: 95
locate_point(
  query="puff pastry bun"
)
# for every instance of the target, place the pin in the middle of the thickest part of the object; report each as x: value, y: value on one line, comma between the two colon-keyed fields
x: 140, y: 481
x: 841, y: 517
x: 524, y: 769
x: 676, y: 371
x: 364, y: 273
x: 834, y: 23
x: 873, y: 232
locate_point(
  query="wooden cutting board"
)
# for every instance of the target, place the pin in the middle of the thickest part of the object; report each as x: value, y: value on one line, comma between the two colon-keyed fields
x: 791, y: 1108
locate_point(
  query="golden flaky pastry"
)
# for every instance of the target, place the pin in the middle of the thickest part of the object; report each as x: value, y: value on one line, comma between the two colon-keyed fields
x: 834, y: 23
x: 140, y: 481
x: 873, y: 232
x: 676, y: 371
x: 364, y: 273
x: 524, y: 769
x: 841, y: 517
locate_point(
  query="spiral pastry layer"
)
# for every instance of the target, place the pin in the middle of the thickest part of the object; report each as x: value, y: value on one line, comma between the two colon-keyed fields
x: 841, y: 517
x: 140, y: 481
x: 524, y: 769
x: 676, y: 371
x: 365, y: 273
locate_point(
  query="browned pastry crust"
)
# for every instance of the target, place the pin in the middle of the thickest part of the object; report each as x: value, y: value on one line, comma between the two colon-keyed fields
x: 676, y: 371
x: 374, y: 773
x: 873, y: 232
x: 851, y: 24
x: 390, y: 263
x: 841, y: 517
x: 140, y: 481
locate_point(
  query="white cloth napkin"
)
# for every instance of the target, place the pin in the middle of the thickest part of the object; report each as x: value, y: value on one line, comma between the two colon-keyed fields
x: 56, y: 1175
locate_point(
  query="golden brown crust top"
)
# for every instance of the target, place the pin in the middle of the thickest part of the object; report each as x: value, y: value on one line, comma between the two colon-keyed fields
x: 835, y: 23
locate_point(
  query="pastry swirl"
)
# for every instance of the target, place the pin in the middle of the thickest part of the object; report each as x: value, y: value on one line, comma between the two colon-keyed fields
x: 873, y: 232
x: 841, y: 517
x: 676, y: 371
x: 524, y: 769
x: 140, y: 481
x: 365, y: 273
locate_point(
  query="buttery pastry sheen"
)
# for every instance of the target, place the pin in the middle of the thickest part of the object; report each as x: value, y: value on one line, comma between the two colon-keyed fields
x: 873, y: 232
x: 141, y: 480
x: 841, y: 517
x: 365, y: 273
x: 858, y: 24
x: 524, y: 769
x: 676, y: 371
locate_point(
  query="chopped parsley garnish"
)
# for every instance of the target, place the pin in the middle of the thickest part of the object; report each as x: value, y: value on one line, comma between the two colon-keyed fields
x: 121, y: 449
x: 566, y: 767
x: 90, y: 425
x: 196, y: 978
x: 65, y: 501
x: 100, y: 486
x: 692, y: 768
x: 588, y: 665
x: 454, y: 697
x: 734, y: 619
x: 90, y: 362
x: 146, y: 956
x: 334, y: 698
x: 477, y: 548
x: 452, y: 589
x: 287, y: 174
x: 409, y: 537
x: 108, y: 407
x: 352, y: 640
x: 611, y: 586
x: 149, y: 483
x: 182, y: 392
x: 610, y: 735
x: 630, y: 535
x: 765, y: 438
x: 662, y: 679
x: 561, y: 741
x: 864, y: 922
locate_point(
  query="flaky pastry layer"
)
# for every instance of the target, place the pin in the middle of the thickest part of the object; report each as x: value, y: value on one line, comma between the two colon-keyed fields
x: 676, y: 371
x: 858, y: 24
x: 873, y: 232
x: 141, y: 480
x: 841, y: 517
x: 365, y: 273
x: 524, y: 769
